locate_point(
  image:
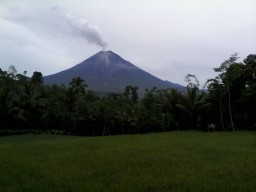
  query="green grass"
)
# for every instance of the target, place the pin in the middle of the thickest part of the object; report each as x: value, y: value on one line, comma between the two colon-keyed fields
x: 175, y: 161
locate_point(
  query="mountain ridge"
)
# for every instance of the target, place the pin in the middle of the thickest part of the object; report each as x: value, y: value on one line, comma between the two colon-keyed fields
x: 106, y: 71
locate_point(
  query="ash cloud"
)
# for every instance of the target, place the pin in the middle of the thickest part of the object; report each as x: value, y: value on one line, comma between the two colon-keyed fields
x: 90, y: 32
x: 55, y: 23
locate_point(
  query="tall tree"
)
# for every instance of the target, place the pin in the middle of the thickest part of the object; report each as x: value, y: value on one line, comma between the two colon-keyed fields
x: 37, y: 78
x: 249, y: 93
x: 193, y: 101
x: 74, y: 93
x: 170, y: 99
x: 226, y: 80
x: 215, y: 89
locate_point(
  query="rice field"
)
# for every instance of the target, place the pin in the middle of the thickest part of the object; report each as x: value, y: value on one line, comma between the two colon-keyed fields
x: 174, y: 161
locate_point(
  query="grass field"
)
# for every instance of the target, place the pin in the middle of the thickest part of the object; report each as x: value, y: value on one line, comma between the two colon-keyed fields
x: 175, y: 161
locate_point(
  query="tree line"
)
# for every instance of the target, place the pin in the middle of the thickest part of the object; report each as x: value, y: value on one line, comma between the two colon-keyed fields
x: 226, y: 102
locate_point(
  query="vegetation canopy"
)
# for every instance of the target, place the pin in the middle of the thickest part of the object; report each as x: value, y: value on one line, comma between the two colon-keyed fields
x: 228, y: 104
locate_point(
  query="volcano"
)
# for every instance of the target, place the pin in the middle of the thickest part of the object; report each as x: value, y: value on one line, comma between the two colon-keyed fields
x: 108, y: 72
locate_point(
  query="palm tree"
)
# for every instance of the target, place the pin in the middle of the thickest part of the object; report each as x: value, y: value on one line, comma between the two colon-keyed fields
x: 216, y: 90
x: 75, y: 92
x: 169, y: 101
x: 28, y: 105
x: 192, y: 103
x: 78, y: 85
x: 131, y: 94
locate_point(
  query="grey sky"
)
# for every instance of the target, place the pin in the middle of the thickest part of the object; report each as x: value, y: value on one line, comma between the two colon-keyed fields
x: 167, y: 38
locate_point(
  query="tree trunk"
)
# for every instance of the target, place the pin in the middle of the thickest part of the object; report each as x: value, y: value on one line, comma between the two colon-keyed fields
x: 230, y: 110
x: 221, y: 116
x: 177, y: 125
x: 104, y: 128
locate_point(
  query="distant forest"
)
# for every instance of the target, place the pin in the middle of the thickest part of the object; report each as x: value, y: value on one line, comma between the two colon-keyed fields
x: 226, y: 102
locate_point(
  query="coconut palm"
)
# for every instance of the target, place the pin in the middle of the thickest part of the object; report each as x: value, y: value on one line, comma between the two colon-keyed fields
x: 192, y: 103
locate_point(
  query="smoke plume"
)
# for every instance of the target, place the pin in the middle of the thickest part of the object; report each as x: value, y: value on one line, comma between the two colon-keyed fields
x: 83, y: 28
x: 55, y: 23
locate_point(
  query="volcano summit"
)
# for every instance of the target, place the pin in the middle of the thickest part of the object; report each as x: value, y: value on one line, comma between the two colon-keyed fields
x: 108, y: 72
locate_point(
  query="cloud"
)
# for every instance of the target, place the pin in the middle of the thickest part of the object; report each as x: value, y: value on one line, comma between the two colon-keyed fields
x: 166, y: 38
x: 44, y: 38
x: 53, y: 23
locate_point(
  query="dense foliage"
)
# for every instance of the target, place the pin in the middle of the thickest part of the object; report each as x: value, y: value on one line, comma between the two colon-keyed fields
x: 228, y: 104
